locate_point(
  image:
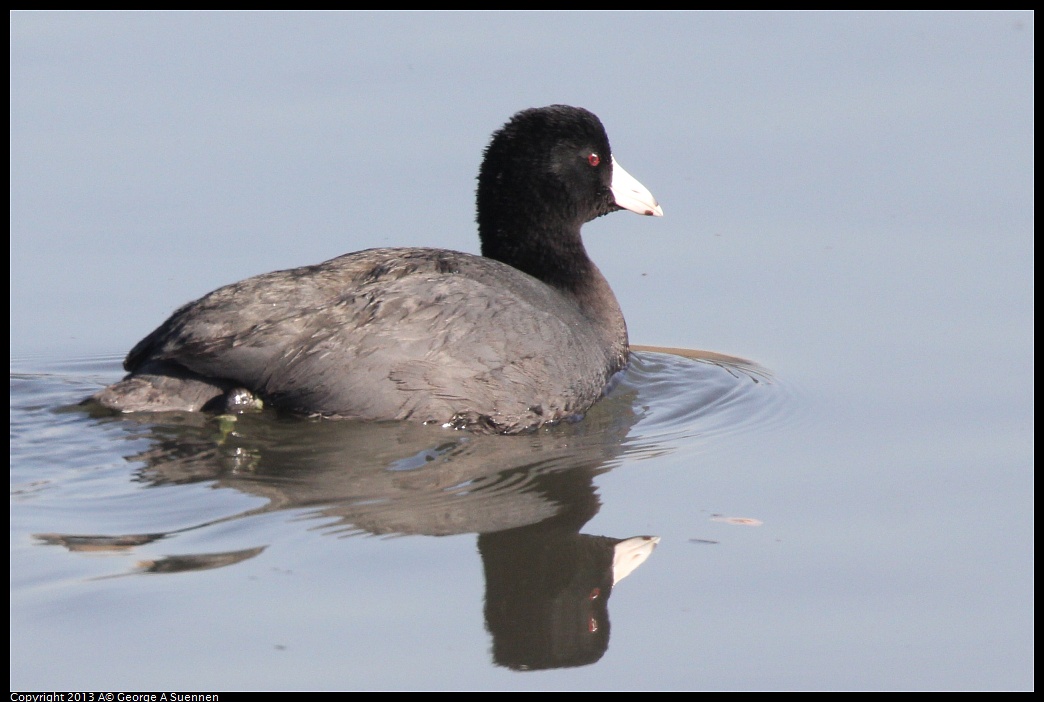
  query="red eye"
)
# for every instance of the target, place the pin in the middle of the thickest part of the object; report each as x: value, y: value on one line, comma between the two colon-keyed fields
x: 594, y: 159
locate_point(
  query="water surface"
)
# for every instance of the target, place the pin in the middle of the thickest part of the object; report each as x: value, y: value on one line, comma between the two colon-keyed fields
x: 848, y: 202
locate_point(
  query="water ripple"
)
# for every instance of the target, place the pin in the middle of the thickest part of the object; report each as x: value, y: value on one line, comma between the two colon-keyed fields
x: 687, y: 397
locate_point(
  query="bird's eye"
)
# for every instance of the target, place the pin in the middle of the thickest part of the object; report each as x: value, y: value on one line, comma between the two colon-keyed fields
x: 593, y: 159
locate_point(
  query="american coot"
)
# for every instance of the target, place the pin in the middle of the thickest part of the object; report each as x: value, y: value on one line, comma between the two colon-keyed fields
x: 526, y: 334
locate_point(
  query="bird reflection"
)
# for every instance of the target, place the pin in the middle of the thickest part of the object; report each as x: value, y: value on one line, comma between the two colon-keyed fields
x: 527, y: 497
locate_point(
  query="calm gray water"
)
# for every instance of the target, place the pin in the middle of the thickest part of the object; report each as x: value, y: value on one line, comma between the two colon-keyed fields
x: 848, y: 202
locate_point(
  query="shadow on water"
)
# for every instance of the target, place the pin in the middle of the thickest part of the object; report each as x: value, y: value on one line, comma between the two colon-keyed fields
x: 526, y: 497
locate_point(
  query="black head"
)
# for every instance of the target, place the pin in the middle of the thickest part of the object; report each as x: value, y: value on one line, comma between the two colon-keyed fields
x: 544, y: 174
x: 554, y: 160
x: 547, y: 168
